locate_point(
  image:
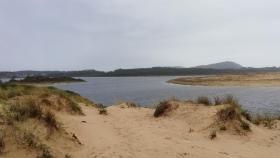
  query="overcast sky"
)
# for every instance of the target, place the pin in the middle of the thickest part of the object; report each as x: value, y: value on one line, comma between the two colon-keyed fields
x: 111, y: 34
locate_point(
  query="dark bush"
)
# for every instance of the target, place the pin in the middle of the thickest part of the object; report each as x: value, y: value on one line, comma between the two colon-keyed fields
x: 103, y: 111
x: 162, y: 108
x: 228, y: 113
x: 245, y: 126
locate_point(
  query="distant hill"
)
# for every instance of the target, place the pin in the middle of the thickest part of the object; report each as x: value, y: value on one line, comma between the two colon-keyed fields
x: 154, y: 71
x: 222, y: 66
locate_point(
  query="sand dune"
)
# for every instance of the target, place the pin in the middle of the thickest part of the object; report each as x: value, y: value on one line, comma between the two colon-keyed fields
x: 184, y: 132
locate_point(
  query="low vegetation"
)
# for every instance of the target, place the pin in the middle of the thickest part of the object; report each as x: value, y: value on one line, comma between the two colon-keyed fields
x: 213, y: 135
x: 50, y: 120
x: 231, y: 116
x: 163, y: 108
x: 266, y: 121
x: 22, y: 106
x: 44, y: 79
x: 101, y: 108
x: 131, y: 105
x: 103, y: 111
x: 31, y: 141
x: 2, y: 142
x: 218, y: 101
x: 204, y: 100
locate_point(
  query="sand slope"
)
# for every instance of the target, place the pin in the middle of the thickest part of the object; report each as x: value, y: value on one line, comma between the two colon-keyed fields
x: 135, y: 133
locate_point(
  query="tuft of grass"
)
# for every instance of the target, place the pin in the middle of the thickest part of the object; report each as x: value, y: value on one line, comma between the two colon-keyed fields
x: 2, y: 142
x: 162, y: 108
x: 75, y: 107
x: 103, y: 111
x: 231, y: 100
x: 29, y: 139
x: 203, y: 100
x: 46, y: 153
x: 51, y: 120
x: 218, y: 101
x: 228, y: 113
x: 21, y: 111
x: 246, y: 114
x: 223, y: 128
x: 9, y: 92
x: 46, y: 102
x: 213, y: 135
x: 99, y: 105
x: 232, y: 114
x: 245, y: 126
x: 267, y: 121
x: 67, y: 156
x: 132, y: 105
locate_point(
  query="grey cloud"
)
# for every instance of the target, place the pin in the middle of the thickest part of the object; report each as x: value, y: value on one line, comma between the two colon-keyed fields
x: 109, y: 34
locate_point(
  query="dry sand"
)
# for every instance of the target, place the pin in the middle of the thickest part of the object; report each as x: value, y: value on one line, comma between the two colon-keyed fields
x: 261, y: 79
x: 135, y: 133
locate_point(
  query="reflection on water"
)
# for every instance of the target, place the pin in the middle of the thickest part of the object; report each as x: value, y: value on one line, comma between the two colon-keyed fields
x: 149, y: 90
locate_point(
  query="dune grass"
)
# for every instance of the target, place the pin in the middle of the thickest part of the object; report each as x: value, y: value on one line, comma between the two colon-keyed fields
x: 163, y: 108
x: 24, y: 104
x: 2, y: 142
x: 203, y: 100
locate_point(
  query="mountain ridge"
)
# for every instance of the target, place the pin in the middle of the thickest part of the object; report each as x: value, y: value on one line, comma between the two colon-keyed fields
x: 221, y: 65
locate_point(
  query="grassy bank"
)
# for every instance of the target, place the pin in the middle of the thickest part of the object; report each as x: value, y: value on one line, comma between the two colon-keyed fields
x: 28, y: 119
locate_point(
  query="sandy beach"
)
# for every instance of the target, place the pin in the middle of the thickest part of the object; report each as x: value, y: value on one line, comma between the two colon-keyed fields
x: 135, y: 133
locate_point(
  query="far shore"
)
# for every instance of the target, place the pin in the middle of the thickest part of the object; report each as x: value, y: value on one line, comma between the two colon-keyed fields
x: 259, y: 79
x: 44, y: 80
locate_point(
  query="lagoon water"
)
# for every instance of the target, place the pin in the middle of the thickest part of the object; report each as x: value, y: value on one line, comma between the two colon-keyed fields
x: 148, y: 91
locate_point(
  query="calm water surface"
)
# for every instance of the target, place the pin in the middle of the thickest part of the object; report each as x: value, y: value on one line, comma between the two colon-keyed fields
x: 148, y: 91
